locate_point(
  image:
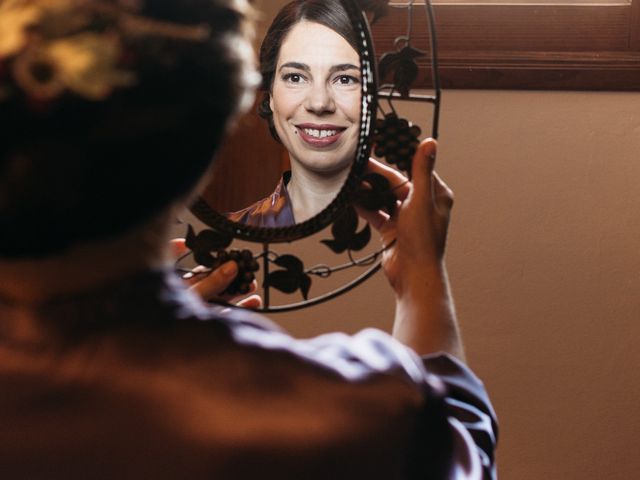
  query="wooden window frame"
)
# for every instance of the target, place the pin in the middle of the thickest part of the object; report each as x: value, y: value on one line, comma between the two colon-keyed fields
x: 527, y: 46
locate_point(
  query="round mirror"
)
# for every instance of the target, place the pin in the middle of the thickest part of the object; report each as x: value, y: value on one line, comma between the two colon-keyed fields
x: 293, y: 161
x: 294, y: 168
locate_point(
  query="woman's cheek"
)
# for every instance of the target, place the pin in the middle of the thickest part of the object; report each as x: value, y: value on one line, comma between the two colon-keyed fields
x: 350, y: 104
x: 287, y: 101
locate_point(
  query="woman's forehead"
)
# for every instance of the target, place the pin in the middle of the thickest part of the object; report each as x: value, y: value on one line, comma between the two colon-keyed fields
x: 315, y: 44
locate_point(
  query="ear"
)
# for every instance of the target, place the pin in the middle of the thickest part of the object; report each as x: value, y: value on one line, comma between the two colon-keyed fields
x: 271, y: 101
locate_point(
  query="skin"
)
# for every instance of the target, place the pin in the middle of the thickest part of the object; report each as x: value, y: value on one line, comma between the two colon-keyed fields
x: 212, y: 286
x: 315, y: 99
x: 425, y: 317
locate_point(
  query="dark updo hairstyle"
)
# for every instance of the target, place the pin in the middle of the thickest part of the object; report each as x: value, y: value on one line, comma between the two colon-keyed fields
x: 330, y: 13
x: 76, y: 170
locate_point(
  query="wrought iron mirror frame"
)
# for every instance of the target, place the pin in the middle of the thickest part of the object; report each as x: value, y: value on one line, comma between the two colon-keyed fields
x: 209, y: 247
x: 324, y: 218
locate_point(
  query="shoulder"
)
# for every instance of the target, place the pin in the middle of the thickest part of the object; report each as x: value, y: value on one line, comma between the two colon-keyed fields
x: 247, y: 216
x: 357, y: 365
x: 442, y: 406
x: 368, y: 382
x: 272, y: 211
x: 366, y: 355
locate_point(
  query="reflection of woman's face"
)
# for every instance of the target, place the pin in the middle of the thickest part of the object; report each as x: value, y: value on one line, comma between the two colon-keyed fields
x: 315, y: 98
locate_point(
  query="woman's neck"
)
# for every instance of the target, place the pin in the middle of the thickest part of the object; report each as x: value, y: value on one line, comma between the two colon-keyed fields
x: 310, y: 192
x: 84, y: 267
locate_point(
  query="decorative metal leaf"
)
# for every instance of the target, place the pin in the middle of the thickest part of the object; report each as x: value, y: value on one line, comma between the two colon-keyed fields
x: 305, y: 286
x: 190, y: 239
x: 290, y: 279
x: 403, y: 66
x: 361, y: 240
x: 345, y: 225
x: 334, y: 245
x: 210, y: 240
x: 379, y: 196
x: 205, y: 242
x: 284, y: 280
x: 379, y: 8
x: 201, y: 255
x: 345, y: 234
x: 291, y: 263
x: 204, y: 258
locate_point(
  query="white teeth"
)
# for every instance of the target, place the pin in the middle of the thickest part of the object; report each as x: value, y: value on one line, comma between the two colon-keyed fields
x: 320, y: 133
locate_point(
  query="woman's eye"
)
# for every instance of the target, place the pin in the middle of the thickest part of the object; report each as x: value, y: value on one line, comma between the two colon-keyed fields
x: 347, y: 80
x: 293, y: 78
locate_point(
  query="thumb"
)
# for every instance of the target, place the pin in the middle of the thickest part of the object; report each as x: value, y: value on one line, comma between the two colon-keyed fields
x: 178, y: 247
x: 423, y: 164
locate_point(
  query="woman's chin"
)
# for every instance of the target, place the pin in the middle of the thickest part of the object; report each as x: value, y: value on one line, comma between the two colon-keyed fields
x: 331, y: 172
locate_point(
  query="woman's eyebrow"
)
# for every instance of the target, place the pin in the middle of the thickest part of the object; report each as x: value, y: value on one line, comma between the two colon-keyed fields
x: 296, y: 65
x: 342, y: 67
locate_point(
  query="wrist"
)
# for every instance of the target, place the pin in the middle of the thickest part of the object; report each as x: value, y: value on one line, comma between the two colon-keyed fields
x: 425, y: 314
x: 420, y: 280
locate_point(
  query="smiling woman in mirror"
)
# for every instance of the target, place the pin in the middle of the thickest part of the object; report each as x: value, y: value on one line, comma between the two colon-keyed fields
x: 311, y: 83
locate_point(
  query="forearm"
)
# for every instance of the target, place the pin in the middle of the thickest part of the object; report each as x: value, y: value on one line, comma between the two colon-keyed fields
x: 425, y: 314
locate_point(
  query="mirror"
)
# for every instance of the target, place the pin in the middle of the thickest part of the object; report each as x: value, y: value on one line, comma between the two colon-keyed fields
x: 322, y: 97
x: 291, y: 159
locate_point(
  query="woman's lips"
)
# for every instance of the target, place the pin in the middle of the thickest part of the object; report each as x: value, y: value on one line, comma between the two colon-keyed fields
x: 320, y: 135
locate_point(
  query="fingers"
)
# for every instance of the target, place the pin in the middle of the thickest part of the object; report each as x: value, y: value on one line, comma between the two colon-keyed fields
x: 253, y: 301
x: 398, y: 182
x: 212, y: 287
x: 214, y: 284
x: 178, y: 247
x: 376, y: 219
x: 423, y: 166
x: 427, y: 183
x: 442, y: 195
x: 196, y: 274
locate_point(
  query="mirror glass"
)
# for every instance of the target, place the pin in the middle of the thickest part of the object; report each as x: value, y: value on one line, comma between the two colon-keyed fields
x: 288, y: 159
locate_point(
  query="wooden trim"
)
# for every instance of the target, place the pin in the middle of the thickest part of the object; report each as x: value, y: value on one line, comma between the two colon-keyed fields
x: 538, y: 70
x: 634, y: 37
x: 515, y: 27
x: 544, y: 46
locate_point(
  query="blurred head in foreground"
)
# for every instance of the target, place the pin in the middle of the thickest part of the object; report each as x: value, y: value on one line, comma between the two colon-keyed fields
x: 111, y: 111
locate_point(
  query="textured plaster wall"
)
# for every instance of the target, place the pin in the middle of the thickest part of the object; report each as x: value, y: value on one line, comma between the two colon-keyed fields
x: 544, y: 258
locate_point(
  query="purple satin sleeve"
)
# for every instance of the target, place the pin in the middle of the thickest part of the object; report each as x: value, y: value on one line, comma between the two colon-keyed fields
x: 472, y: 418
x: 458, y: 422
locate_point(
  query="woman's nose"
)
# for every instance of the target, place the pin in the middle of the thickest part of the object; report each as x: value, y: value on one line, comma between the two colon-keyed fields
x: 320, y: 100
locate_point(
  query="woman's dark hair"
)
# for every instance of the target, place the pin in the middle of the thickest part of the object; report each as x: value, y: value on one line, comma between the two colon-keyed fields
x: 330, y: 13
x: 74, y: 169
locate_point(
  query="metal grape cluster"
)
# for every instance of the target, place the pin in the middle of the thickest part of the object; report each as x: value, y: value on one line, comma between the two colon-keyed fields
x: 247, y: 266
x: 396, y: 140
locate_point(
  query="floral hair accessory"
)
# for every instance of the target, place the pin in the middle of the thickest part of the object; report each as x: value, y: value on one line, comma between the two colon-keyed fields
x: 50, y: 48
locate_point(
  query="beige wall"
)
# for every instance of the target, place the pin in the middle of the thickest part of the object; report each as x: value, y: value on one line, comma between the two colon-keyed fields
x: 544, y: 259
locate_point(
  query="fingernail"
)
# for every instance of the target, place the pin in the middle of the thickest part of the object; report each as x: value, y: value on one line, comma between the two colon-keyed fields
x: 229, y: 268
x: 187, y: 276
